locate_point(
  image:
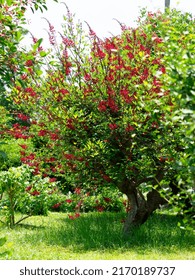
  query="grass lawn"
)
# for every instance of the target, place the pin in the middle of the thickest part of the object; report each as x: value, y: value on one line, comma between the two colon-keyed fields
x: 97, y: 236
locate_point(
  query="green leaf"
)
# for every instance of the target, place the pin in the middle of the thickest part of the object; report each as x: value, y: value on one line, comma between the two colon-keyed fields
x: 43, y: 54
x: 37, y: 45
x: 3, y: 240
x: 3, y: 155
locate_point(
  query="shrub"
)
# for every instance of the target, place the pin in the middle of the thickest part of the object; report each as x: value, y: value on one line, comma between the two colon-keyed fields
x: 14, y: 151
x: 21, y: 191
x: 87, y: 201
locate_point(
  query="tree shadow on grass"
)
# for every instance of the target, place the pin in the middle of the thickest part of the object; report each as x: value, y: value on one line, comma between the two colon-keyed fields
x: 103, y: 231
x: 28, y: 227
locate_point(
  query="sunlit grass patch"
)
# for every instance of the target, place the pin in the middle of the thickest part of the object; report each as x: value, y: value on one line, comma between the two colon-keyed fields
x: 98, y: 236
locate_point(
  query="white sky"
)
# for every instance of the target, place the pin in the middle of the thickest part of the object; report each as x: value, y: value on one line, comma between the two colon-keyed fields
x: 99, y: 14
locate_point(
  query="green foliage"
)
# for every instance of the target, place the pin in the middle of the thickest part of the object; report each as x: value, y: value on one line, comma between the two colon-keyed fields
x: 177, y: 31
x: 181, y: 83
x: 20, y: 191
x: 5, y: 253
x: 85, y: 201
x: 13, y: 151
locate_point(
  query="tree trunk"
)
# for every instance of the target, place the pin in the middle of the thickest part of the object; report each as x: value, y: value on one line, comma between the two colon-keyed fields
x: 140, y: 208
x: 167, y: 4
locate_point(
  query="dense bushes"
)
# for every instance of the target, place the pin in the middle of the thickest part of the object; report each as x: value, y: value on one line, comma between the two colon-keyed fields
x: 22, y: 191
x: 80, y: 201
x: 14, y: 151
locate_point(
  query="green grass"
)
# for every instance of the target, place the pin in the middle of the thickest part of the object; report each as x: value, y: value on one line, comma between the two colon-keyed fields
x: 96, y: 236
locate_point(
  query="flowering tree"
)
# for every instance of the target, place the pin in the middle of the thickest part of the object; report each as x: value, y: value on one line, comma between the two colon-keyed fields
x: 98, y: 115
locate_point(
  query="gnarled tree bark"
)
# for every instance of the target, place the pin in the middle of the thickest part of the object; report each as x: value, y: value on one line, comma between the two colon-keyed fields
x: 139, y: 207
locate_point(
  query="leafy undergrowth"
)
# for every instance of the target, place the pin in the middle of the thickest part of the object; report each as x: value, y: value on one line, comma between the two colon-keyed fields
x: 96, y: 236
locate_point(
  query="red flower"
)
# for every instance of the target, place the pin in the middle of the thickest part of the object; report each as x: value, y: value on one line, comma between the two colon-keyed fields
x: 69, y: 156
x: 30, y: 70
x: 129, y: 128
x: 63, y: 91
x: 30, y: 91
x: 77, y: 215
x: 107, y: 199
x: 102, y: 106
x: 100, y: 208
x: 22, y: 117
x: 112, y: 105
x: 157, y: 39
x: 124, y: 92
x: 163, y: 69
x: 163, y: 159
x: 57, y: 205
x: 77, y: 190
x: 80, y: 159
x: 101, y: 54
x: 51, y: 180
x: 29, y: 63
x: 28, y: 188
x: 67, y: 42
x: 42, y: 132
x: 109, y: 45
x: 23, y: 146
x: 22, y: 153
x: 91, y: 32
x: 87, y: 77
x: 71, y: 217
x: 54, y: 136
x: 35, y: 193
x: 69, y: 124
x: 110, y: 78
x: 24, y: 76
x: 68, y: 200
x: 51, y: 159
x: 36, y: 171
x: 113, y: 126
x: 156, y: 61
x: 130, y: 55
x: 16, y: 125
x: 107, y: 178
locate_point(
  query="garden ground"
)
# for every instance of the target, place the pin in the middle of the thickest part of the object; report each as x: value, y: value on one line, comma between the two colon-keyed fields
x: 96, y: 236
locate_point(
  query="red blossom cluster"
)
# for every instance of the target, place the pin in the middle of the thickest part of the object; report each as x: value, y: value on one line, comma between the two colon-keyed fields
x: 22, y: 117
x: 67, y: 42
x: 18, y: 131
x: 70, y: 124
x: 33, y: 193
x: 75, y: 216
x: 57, y: 205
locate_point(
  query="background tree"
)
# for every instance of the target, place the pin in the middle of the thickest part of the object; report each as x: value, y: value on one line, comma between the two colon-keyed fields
x: 12, y: 31
x: 167, y: 3
x: 177, y: 29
